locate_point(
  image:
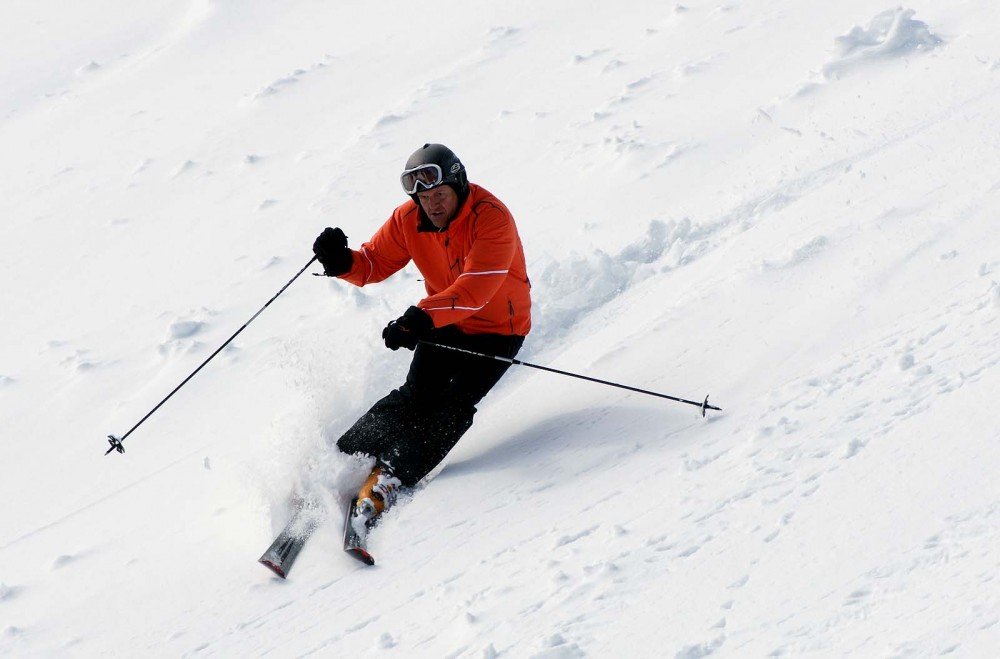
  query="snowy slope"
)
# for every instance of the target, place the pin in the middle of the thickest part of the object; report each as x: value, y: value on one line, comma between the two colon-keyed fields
x: 789, y: 206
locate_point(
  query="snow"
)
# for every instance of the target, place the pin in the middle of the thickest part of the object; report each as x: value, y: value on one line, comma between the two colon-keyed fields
x: 788, y: 206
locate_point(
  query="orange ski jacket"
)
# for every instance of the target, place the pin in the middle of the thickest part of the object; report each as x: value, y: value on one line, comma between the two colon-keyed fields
x: 474, y: 270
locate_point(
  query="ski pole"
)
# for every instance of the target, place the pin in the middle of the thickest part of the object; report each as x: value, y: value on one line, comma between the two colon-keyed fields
x: 116, y: 442
x: 703, y: 405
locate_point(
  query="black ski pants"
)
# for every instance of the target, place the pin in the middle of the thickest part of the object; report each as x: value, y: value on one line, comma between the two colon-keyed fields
x: 413, y: 428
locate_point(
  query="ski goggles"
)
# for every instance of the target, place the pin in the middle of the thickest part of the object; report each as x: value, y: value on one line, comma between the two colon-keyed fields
x: 428, y: 176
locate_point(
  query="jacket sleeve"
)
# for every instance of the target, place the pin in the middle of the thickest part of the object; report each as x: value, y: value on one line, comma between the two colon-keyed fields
x: 382, y: 256
x: 483, y: 272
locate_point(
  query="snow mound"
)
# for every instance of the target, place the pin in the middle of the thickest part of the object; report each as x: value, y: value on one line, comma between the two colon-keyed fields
x: 183, y: 329
x: 891, y: 34
x: 7, y: 592
x: 578, y: 285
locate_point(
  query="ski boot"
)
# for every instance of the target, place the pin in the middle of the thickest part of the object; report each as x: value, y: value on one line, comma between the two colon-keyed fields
x: 378, y: 493
x: 375, y: 497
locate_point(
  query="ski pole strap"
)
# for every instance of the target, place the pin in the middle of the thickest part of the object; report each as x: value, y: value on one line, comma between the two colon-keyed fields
x: 510, y: 360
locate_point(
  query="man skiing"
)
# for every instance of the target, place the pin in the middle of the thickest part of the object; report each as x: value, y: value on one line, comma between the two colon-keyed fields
x: 464, y: 242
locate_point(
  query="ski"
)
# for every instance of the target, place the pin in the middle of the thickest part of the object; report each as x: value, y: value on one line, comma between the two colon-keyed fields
x: 282, y: 553
x: 356, y: 529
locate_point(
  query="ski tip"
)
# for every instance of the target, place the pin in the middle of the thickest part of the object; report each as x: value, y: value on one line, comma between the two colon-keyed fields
x: 273, y: 567
x: 361, y: 554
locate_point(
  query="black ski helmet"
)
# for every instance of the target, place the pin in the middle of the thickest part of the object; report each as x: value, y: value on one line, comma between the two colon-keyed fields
x: 452, y: 170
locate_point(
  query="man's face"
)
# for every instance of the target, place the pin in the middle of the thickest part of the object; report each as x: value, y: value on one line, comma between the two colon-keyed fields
x: 440, y: 205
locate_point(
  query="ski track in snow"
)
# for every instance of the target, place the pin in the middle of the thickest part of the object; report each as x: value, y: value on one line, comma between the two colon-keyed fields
x: 908, y: 386
x: 279, y: 85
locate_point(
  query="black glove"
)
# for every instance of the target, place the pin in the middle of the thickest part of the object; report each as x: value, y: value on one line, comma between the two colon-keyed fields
x: 331, y: 250
x: 408, y: 329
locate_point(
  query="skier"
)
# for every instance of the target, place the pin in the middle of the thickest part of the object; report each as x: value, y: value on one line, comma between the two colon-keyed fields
x: 464, y: 242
